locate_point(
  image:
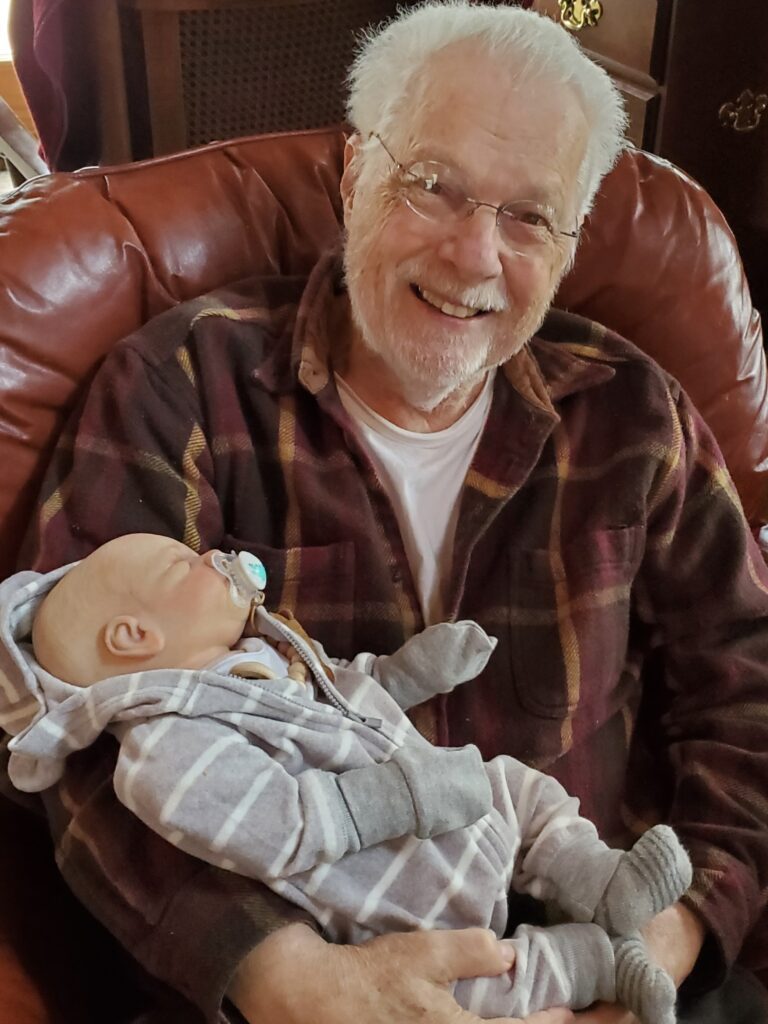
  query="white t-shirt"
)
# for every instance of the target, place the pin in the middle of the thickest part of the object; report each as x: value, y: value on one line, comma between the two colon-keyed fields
x: 252, y: 648
x: 422, y: 475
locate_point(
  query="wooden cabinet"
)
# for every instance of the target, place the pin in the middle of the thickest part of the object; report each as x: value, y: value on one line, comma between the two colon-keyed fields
x: 695, y: 78
x: 179, y: 73
x: 628, y: 38
x: 622, y: 30
x: 715, y: 117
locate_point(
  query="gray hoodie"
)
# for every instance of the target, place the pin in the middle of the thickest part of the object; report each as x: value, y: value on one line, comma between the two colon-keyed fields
x: 327, y: 794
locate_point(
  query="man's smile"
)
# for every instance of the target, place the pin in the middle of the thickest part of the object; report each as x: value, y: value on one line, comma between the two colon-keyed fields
x: 444, y: 306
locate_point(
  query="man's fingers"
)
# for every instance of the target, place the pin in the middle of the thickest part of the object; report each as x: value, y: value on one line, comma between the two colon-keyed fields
x: 560, y: 1015
x: 606, y: 1013
x: 449, y: 955
x: 405, y: 978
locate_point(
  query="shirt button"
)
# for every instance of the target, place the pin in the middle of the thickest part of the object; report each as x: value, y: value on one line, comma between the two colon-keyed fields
x: 397, y: 575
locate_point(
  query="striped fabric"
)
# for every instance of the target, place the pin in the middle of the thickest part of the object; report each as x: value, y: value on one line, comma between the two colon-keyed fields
x: 599, y: 539
x: 241, y: 773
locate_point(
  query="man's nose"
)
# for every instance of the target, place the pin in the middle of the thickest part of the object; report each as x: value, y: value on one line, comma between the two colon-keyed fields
x: 473, y: 246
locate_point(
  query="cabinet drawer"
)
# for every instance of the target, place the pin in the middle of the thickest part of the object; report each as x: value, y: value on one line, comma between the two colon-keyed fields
x: 714, y: 122
x: 624, y: 32
x: 716, y: 110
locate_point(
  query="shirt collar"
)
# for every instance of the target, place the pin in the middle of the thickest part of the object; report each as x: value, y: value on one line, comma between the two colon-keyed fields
x: 303, y: 354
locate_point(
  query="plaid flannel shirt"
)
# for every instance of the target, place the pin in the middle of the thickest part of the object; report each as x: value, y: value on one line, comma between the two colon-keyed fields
x: 599, y: 538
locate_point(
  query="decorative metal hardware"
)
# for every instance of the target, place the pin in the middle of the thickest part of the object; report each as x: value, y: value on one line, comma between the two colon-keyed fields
x: 579, y: 14
x: 746, y: 113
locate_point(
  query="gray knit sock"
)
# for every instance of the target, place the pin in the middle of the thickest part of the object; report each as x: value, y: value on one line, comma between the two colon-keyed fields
x: 645, y: 989
x: 648, y: 878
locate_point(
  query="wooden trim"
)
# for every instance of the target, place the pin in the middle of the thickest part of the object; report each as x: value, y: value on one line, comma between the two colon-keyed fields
x: 628, y: 79
x: 107, y: 47
x: 162, y: 51
x: 203, y: 5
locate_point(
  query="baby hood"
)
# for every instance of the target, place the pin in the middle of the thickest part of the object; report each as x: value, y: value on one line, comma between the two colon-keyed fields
x: 26, y: 691
x: 48, y: 718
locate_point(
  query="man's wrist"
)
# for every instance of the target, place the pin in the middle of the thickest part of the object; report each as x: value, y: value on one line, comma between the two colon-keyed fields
x: 289, y: 944
x: 675, y: 938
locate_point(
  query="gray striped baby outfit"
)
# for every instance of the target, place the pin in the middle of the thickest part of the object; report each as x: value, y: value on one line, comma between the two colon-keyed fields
x: 328, y: 794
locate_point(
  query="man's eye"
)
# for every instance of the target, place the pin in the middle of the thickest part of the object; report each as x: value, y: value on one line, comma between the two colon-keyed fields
x: 532, y: 218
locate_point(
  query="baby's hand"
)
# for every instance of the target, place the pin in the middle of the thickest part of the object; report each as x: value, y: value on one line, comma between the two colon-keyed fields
x: 297, y: 670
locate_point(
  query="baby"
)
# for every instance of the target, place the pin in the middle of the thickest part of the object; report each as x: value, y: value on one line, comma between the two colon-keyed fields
x: 264, y: 758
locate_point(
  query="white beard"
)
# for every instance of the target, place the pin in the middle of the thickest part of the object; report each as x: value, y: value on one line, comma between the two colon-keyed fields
x: 437, y: 363
x: 426, y: 374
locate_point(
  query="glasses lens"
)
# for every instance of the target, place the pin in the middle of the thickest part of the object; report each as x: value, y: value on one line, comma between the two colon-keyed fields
x: 526, y: 225
x: 432, y: 190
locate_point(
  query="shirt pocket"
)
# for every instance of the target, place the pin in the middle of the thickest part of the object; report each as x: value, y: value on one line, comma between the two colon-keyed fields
x: 569, y: 620
x: 315, y: 582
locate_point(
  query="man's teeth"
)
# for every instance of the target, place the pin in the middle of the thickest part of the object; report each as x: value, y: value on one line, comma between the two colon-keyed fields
x: 447, y: 307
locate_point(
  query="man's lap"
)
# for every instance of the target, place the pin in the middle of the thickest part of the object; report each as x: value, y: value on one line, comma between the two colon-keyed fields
x: 741, y: 999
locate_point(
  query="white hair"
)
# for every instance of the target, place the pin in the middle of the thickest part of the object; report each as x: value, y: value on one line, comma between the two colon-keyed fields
x: 381, y: 79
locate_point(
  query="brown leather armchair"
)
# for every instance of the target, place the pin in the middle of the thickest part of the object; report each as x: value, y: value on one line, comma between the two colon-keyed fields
x: 85, y: 258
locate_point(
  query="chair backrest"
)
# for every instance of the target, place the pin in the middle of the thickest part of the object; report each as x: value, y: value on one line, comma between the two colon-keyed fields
x: 86, y: 258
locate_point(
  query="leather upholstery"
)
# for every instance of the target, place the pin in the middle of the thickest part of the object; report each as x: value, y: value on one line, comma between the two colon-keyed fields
x: 87, y: 257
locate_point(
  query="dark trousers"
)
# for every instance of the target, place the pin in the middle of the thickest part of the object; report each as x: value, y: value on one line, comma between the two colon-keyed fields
x: 741, y: 999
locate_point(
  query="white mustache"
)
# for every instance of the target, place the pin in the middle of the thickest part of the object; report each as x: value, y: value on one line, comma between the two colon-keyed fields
x: 490, y: 297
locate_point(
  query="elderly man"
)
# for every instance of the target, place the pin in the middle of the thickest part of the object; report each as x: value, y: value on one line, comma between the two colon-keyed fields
x: 416, y: 438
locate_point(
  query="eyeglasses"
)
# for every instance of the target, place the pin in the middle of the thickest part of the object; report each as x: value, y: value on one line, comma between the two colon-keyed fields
x: 434, y: 192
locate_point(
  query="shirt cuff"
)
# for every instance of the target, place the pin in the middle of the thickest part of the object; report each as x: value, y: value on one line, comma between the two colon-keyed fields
x: 200, y: 962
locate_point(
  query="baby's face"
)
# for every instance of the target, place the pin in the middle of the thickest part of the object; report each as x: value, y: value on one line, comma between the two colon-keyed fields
x: 182, y: 590
x: 138, y: 602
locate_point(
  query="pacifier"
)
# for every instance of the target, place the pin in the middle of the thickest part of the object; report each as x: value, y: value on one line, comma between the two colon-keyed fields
x: 246, y: 574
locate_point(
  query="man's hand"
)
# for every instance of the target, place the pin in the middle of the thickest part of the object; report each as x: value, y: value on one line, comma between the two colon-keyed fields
x: 606, y: 1013
x: 295, y: 977
x: 674, y: 939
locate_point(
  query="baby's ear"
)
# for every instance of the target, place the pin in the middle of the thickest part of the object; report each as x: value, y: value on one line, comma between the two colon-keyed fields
x: 126, y: 637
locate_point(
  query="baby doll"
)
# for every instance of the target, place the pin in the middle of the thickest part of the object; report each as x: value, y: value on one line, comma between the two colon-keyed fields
x: 321, y: 787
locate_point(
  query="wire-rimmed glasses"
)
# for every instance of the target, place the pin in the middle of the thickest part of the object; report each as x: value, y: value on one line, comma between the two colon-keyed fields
x: 434, y: 191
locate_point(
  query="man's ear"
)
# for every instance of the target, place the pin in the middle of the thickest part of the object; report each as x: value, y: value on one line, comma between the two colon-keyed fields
x: 351, y: 170
x: 126, y: 637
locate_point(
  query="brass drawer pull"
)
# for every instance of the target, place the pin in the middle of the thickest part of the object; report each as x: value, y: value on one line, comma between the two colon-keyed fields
x: 579, y: 14
x: 746, y: 113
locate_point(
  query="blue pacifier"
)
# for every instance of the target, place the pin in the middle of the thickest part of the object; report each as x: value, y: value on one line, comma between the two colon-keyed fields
x: 246, y: 574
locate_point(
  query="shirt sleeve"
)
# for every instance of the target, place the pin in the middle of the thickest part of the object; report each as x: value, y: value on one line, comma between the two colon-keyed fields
x: 134, y: 458
x: 187, y: 923
x: 212, y: 791
x: 702, y: 592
